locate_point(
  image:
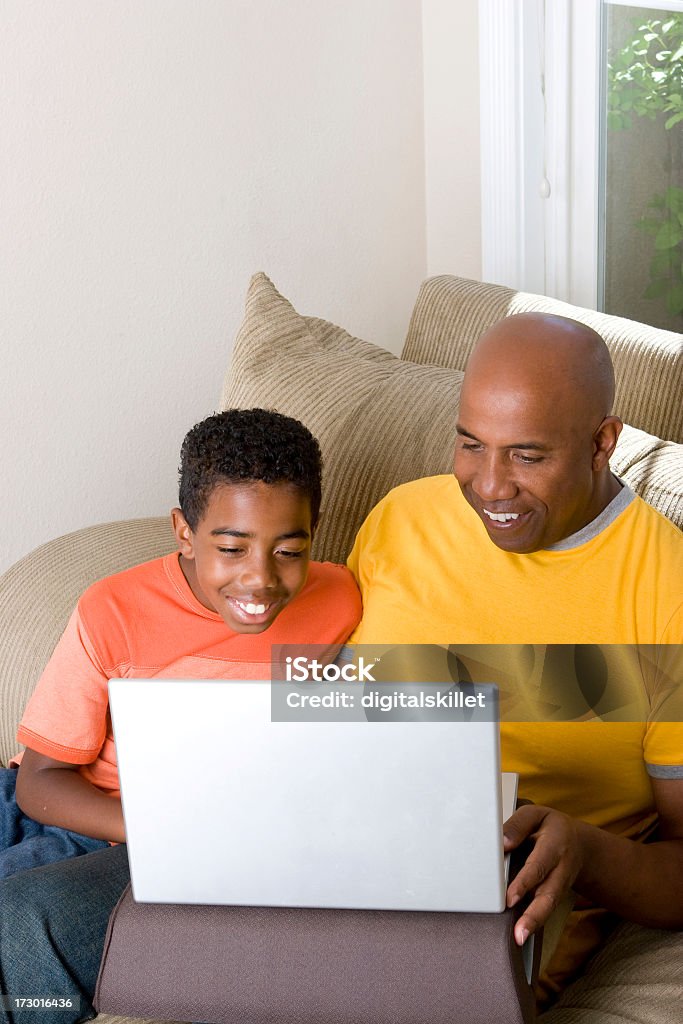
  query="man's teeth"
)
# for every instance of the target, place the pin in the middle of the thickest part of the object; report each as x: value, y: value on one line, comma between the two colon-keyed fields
x: 252, y: 609
x: 501, y: 517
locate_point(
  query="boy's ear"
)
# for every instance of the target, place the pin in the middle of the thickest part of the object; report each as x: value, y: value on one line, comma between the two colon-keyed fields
x: 183, y: 533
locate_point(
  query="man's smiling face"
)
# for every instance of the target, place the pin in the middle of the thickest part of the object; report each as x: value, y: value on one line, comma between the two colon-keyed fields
x: 534, y: 440
x: 248, y: 557
x: 529, y: 480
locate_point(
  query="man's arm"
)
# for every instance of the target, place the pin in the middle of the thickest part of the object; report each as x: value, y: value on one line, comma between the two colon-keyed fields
x: 639, y: 881
x: 55, y: 793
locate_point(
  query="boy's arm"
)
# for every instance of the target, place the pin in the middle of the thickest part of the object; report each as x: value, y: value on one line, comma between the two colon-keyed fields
x: 55, y: 793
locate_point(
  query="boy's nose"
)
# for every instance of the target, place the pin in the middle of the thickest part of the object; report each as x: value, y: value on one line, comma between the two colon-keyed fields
x: 259, y: 574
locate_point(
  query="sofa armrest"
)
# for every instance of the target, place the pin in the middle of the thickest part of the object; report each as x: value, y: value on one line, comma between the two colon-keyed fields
x: 38, y: 594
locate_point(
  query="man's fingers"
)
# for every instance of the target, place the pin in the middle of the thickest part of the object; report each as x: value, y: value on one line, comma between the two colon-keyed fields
x: 534, y: 871
x: 549, y: 871
x: 522, y: 824
x: 536, y: 915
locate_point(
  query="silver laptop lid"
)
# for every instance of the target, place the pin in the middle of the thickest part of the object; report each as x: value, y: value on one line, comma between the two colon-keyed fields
x: 224, y: 806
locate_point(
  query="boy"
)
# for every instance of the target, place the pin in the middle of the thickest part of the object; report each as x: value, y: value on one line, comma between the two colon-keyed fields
x: 250, y: 489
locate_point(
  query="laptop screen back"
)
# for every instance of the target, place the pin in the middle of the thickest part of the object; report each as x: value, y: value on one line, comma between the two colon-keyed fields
x: 224, y: 806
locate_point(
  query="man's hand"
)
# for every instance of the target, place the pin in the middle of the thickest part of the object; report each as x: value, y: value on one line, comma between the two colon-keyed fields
x: 550, y: 869
x: 639, y: 881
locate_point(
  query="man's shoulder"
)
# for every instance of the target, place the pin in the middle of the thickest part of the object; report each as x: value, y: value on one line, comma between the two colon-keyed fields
x: 641, y: 519
x: 415, y: 492
x: 649, y: 547
x: 425, y: 484
x: 402, y: 511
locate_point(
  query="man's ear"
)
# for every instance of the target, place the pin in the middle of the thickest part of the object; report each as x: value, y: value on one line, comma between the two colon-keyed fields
x: 183, y: 533
x: 605, y: 441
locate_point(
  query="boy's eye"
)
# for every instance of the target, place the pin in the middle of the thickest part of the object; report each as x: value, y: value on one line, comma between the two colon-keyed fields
x: 290, y: 554
x: 230, y: 551
x: 470, y: 447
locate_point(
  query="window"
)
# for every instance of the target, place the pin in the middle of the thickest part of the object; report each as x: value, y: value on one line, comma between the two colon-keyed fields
x: 570, y: 207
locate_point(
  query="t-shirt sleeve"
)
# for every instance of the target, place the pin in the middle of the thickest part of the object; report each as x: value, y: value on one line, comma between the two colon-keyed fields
x: 358, y: 559
x: 368, y: 560
x: 66, y: 717
x: 663, y: 745
x: 370, y: 543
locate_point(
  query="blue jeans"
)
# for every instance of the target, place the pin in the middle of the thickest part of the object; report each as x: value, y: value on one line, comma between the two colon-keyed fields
x: 53, y: 922
x: 57, y: 889
x: 25, y: 843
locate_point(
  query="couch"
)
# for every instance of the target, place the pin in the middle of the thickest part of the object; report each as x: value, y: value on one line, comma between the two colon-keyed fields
x: 380, y: 419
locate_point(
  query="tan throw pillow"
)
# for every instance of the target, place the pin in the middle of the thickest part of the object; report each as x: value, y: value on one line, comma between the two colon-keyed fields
x: 380, y: 420
x: 653, y: 468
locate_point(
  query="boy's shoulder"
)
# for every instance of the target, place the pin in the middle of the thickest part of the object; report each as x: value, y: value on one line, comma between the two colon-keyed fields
x: 327, y: 569
x: 128, y: 610
x: 329, y: 598
x: 331, y: 580
x: 129, y: 585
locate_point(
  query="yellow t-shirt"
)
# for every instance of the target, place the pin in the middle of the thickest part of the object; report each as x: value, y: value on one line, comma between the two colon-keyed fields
x: 429, y: 574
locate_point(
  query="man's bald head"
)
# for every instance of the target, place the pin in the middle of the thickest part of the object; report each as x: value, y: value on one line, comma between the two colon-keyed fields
x: 562, y: 358
x: 535, y: 431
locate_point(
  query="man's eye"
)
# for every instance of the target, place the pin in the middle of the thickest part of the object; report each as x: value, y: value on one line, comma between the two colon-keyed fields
x: 471, y: 447
x: 529, y: 460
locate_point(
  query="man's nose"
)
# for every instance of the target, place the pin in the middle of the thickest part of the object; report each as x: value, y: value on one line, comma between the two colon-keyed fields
x: 494, y: 480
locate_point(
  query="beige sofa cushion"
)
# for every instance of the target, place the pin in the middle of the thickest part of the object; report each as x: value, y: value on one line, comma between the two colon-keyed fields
x: 52, y: 578
x: 380, y: 420
x: 654, y: 469
x: 451, y: 313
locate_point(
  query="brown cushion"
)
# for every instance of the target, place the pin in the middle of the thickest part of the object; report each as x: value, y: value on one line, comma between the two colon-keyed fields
x: 256, y: 965
x: 380, y: 420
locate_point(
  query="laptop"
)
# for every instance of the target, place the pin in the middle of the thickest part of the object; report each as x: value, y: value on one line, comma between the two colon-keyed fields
x: 222, y: 805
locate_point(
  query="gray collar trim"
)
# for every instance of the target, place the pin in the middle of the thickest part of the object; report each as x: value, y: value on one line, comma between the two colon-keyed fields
x: 616, y: 506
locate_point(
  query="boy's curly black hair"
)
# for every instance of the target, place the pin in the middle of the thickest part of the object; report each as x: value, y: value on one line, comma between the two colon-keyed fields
x: 239, y: 445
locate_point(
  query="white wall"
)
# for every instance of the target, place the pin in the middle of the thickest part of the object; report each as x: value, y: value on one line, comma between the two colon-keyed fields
x: 452, y: 137
x: 154, y: 154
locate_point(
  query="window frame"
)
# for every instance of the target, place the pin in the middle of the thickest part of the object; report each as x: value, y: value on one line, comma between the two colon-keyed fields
x: 540, y: 99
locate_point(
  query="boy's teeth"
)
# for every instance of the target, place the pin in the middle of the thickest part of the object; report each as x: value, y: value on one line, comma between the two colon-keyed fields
x: 253, y: 609
x: 501, y: 517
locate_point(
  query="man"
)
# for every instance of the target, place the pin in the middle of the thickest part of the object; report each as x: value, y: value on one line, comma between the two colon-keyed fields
x: 535, y: 542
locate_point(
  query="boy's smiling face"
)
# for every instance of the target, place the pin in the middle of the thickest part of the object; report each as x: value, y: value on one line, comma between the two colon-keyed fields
x: 249, y: 554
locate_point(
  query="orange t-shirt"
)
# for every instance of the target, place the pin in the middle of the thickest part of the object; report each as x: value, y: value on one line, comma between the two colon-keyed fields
x: 146, y: 622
